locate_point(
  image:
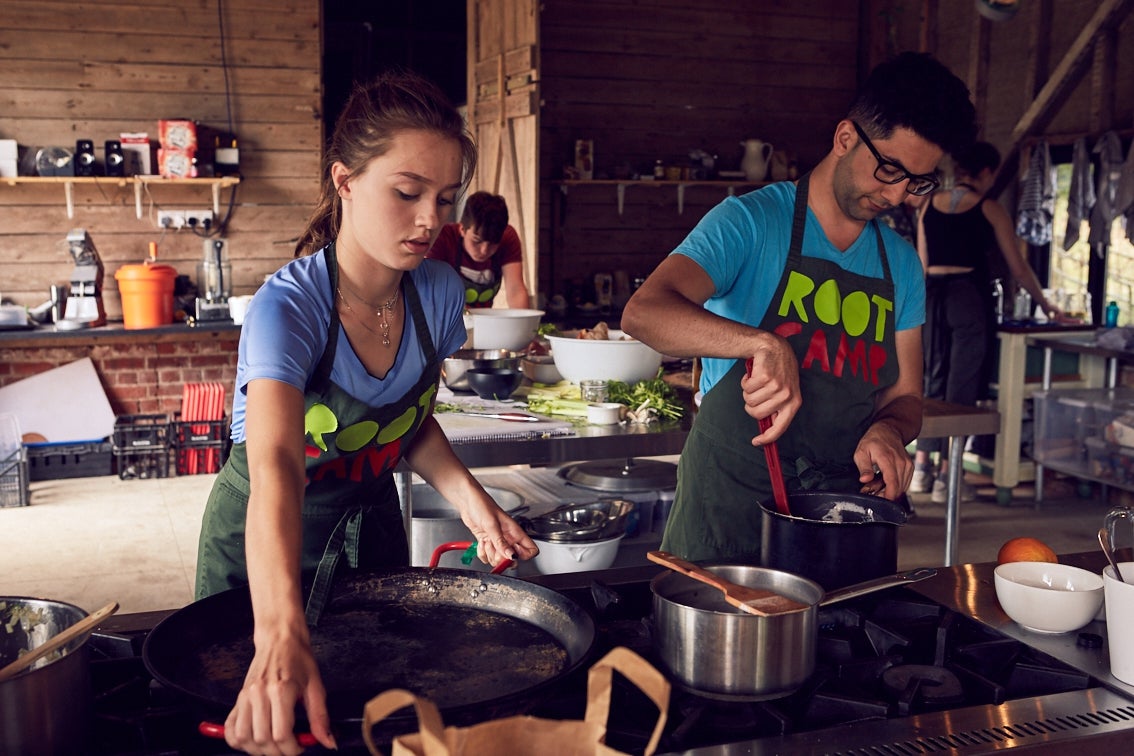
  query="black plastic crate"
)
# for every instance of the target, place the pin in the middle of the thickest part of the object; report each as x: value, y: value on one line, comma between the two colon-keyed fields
x: 141, y: 433
x: 141, y: 446
x: 200, y: 446
x: 70, y: 460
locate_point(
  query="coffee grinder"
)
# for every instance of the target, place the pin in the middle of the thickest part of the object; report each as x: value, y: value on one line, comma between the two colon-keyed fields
x: 214, y: 282
x: 84, y: 308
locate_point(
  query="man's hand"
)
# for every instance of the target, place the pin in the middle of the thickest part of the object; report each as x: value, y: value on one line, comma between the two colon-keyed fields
x: 770, y: 387
x: 885, y: 467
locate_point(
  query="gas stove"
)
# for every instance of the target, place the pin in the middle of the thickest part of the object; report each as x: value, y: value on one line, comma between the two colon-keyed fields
x: 894, y: 667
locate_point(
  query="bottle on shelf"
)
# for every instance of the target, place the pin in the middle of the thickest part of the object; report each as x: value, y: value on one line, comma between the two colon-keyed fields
x: 1112, y: 314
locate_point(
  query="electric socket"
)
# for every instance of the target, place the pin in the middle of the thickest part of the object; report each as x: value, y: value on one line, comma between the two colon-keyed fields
x: 178, y: 219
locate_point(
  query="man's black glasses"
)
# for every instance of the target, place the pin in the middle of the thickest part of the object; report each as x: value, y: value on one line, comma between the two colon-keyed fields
x: 890, y: 172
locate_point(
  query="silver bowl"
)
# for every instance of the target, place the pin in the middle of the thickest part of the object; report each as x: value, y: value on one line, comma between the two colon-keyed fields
x: 454, y: 369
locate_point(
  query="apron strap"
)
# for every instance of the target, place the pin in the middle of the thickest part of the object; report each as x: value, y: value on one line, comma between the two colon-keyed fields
x: 344, y: 539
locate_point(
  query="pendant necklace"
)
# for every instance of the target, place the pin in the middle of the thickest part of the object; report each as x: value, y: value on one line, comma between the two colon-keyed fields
x: 382, y: 311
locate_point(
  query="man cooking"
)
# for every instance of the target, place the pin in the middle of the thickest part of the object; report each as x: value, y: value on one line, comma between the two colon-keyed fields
x: 823, y: 301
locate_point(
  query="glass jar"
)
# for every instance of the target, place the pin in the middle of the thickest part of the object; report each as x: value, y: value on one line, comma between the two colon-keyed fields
x: 593, y: 390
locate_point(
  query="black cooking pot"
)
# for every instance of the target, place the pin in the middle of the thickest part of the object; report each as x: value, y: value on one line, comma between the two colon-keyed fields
x: 836, y: 539
x: 469, y: 641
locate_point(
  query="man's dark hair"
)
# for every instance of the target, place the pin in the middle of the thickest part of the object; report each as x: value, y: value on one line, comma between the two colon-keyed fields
x: 487, y: 214
x: 976, y: 158
x: 915, y: 91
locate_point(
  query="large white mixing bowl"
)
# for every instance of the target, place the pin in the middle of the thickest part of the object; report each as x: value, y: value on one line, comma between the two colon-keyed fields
x: 618, y: 358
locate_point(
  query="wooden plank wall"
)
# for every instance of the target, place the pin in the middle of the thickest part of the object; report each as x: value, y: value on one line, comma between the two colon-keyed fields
x: 655, y: 79
x: 96, y: 69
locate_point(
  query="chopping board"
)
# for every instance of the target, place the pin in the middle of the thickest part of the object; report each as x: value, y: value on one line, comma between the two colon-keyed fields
x: 460, y: 428
x: 64, y: 404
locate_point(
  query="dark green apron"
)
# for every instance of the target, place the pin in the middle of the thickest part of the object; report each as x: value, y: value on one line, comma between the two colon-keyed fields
x: 350, y: 503
x: 841, y: 327
x: 481, y: 294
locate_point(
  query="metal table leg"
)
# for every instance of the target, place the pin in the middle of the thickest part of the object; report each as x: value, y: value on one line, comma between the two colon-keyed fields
x: 953, y: 498
x: 403, y: 481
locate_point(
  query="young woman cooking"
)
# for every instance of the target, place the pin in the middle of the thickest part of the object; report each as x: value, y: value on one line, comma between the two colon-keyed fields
x: 339, y: 361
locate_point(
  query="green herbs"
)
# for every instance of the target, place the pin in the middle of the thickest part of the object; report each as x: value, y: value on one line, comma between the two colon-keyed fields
x: 647, y: 399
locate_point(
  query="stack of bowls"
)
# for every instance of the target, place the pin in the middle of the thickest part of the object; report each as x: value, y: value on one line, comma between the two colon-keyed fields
x: 454, y: 370
x: 579, y: 537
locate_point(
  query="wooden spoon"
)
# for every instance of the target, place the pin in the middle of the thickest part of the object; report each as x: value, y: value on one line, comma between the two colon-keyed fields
x: 80, y: 628
x: 752, y: 600
x: 772, y: 455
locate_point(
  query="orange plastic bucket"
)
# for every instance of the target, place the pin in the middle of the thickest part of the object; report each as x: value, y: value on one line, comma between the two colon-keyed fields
x: 147, y: 295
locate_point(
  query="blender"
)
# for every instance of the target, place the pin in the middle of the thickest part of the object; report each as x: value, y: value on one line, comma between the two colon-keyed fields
x: 84, y: 307
x: 214, y: 281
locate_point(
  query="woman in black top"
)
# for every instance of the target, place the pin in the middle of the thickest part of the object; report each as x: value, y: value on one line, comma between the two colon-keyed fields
x: 958, y: 231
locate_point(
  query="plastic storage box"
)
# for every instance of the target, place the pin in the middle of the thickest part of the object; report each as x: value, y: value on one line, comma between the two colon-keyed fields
x: 69, y: 460
x: 200, y: 446
x: 1087, y: 433
x: 141, y: 446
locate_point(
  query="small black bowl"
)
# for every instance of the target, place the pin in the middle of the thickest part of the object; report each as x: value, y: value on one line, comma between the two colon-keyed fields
x: 494, y: 383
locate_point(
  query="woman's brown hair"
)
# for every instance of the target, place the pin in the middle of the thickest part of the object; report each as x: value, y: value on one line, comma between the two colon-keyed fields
x: 373, y: 115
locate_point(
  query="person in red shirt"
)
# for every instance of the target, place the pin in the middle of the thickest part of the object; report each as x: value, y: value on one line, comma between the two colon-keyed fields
x: 486, y: 251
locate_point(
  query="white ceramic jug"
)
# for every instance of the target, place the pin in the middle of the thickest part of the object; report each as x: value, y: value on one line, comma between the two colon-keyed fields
x: 755, y: 161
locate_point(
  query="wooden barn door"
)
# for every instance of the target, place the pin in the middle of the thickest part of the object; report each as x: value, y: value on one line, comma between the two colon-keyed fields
x: 503, y: 105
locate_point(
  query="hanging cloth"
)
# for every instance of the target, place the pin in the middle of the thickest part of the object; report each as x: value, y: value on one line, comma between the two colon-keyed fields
x: 1037, y: 198
x: 1109, y: 150
x: 1081, y: 193
x: 1124, y: 202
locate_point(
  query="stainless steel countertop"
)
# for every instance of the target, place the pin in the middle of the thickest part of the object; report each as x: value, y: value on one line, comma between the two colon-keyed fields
x: 1096, y: 720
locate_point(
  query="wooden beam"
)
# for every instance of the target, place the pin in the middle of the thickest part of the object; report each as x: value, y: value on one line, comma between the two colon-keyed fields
x: 978, y: 63
x: 1066, y: 75
x: 1101, y: 116
x: 927, y: 38
x: 1039, y: 51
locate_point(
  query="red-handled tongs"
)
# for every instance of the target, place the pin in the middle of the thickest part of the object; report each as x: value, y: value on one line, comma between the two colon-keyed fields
x: 772, y: 454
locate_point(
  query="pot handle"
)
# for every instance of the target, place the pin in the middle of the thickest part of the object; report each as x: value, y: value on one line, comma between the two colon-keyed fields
x: 877, y: 584
x: 213, y: 730
x: 464, y: 546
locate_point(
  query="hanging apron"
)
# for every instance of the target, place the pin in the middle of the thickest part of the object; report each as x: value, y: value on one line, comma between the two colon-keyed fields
x: 841, y: 327
x: 481, y: 294
x: 350, y: 504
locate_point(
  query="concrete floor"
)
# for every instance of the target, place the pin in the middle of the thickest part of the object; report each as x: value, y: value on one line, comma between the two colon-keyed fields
x: 92, y: 540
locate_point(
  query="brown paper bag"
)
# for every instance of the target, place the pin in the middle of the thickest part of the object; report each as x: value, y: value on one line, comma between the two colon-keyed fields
x: 524, y: 735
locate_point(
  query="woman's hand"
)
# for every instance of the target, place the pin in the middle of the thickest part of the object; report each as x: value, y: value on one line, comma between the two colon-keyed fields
x: 283, y: 673
x: 498, y: 536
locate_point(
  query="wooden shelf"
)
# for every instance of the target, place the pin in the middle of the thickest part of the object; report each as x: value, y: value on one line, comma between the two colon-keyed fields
x: 140, y: 183
x: 730, y: 185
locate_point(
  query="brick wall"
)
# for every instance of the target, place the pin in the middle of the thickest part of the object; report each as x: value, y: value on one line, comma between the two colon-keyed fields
x: 139, y: 377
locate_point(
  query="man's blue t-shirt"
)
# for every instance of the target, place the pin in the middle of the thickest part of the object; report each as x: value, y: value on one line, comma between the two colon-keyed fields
x: 742, y: 244
x: 285, y: 333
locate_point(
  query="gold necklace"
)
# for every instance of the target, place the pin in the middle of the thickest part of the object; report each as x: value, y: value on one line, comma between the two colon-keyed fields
x: 381, y: 312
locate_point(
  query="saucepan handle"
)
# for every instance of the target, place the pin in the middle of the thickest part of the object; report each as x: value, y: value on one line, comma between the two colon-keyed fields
x: 877, y: 584
x: 463, y: 546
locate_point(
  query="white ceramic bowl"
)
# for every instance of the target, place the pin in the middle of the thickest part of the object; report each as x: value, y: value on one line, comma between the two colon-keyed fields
x: 540, y: 368
x: 502, y: 328
x: 1047, y: 597
x: 555, y: 557
x: 619, y: 358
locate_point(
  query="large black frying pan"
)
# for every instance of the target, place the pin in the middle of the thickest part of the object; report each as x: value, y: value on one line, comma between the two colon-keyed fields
x: 469, y: 641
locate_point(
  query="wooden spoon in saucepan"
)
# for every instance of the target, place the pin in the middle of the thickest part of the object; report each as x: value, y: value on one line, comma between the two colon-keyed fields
x: 80, y: 628
x: 752, y: 600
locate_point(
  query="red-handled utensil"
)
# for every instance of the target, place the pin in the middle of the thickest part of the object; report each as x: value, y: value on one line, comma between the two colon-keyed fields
x: 772, y: 454
x: 213, y: 730
x: 463, y: 546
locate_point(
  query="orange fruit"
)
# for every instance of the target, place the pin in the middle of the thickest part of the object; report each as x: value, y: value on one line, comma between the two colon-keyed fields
x: 1025, y: 549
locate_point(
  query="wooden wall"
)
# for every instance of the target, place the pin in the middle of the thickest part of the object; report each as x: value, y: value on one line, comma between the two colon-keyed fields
x: 96, y: 69
x: 655, y: 79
